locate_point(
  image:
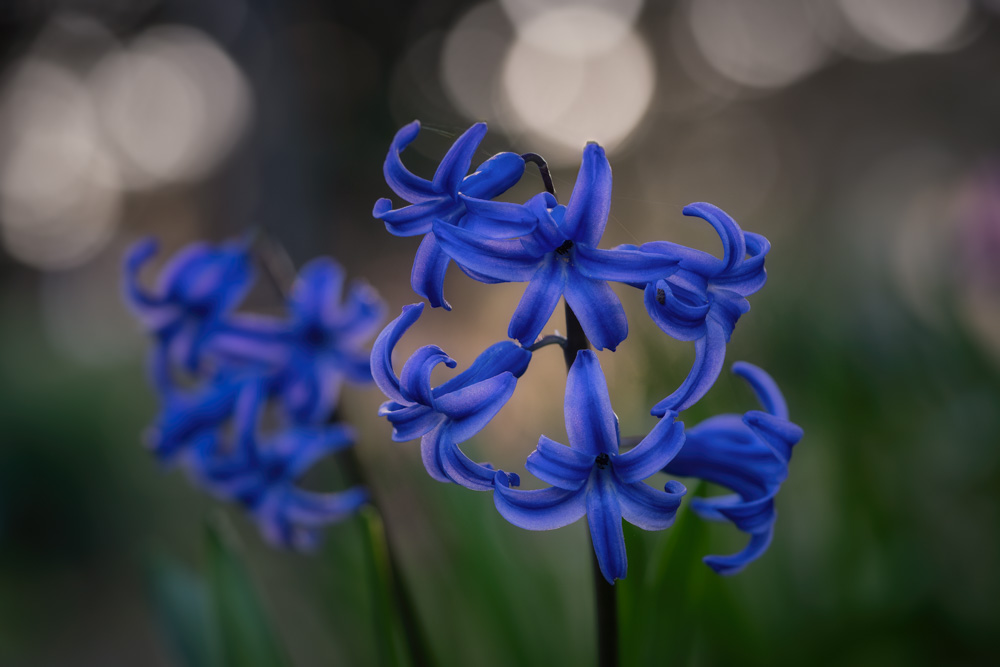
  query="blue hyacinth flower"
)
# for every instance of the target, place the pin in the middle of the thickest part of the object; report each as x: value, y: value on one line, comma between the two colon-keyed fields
x: 261, y: 474
x: 321, y: 344
x: 748, y: 455
x: 451, y: 413
x: 591, y: 477
x: 443, y: 198
x: 195, y: 290
x: 703, y: 300
x: 559, y: 258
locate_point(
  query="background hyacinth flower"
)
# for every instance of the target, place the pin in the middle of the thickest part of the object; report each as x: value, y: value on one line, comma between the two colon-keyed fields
x: 559, y: 258
x: 591, y: 477
x: 443, y: 198
x: 234, y: 364
x: 260, y: 473
x: 748, y: 455
x: 195, y: 290
x: 451, y: 413
x: 704, y: 298
x: 327, y: 339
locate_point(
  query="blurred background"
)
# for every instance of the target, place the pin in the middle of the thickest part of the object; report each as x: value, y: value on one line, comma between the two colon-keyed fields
x: 860, y: 136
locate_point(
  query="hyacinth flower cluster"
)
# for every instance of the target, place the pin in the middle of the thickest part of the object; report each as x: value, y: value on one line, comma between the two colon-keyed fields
x: 249, y: 401
x: 555, y: 249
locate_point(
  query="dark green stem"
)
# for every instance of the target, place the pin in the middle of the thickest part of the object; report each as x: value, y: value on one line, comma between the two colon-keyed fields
x: 416, y: 642
x: 605, y: 601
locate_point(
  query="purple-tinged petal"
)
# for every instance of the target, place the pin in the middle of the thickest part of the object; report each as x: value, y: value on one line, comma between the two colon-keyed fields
x: 749, y: 275
x: 587, y: 211
x: 764, y: 386
x: 409, y: 421
x: 250, y: 339
x: 559, y: 465
x: 415, y: 219
x: 505, y: 356
x: 456, y: 162
x: 360, y: 315
x: 382, y: 372
x: 317, y: 509
x: 733, y: 244
x: 653, y: 452
x: 540, y: 509
x: 472, y: 407
x: 538, y: 302
x: 777, y: 433
x: 750, y: 516
x: 465, y: 472
x: 415, y: 379
x: 431, y: 447
x: 604, y: 518
x: 429, y: 267
x: 623, y: 265
x: 500, y: 211
x: 493, y: 177
x: 710, y: 353
x: 547, y: 235
x: 501, y: 260
x: 733, y: 564
x: 591, y: 424
x: 599, y: 310
x: 411, y: 188
x: 649, y: 508
x: 310, y: 447
x: 689, y: 259
x: 317, y: 291
x: 137, y: 256
x: 677, y: 311
x: 496, y: 228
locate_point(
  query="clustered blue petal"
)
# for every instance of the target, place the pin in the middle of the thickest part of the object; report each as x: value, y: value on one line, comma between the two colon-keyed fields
x: 689, y: 294
x: 218, y: 371
x: 448, y: 414
x: 442, y: 199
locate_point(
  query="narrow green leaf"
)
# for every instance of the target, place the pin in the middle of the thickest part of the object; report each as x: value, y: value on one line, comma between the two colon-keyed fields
x: 380, y: 585
x: 247, y: 637
x: 182, y: 610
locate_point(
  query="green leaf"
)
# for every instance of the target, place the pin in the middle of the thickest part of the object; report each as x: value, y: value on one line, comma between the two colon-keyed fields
x: 182, y: 609
x: 380, y: 584
x: 247, y: 637
x: 659, y: 601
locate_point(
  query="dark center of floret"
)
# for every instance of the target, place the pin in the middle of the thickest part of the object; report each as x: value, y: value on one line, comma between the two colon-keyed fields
x: 661, y: 296
x: 564, y: 248
x: 602, y: 461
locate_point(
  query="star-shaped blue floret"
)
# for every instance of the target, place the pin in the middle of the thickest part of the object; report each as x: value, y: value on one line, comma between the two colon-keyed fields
x: 559, y: 258
x: 591, y: 477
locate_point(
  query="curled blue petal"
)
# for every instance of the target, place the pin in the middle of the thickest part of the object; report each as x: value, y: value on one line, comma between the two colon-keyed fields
x: 560, y: 465
x: 456, y: 162
x: 587, y: 211
x: 469, y: 409
x: 403, y: 183
x: 653, y: 452
x: 540, y: 509
x: 710, y: 354
x: 381, y: 358
x: 493, y: 177
x: 649, y: 508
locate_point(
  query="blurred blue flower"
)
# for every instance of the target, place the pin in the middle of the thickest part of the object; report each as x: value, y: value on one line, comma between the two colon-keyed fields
x: 196, y: 288
x: 703, y: 300
x: 559, y: 257
x: 326, y: 339
x: 591, y: 477
x: 442, y: 199
x: 747, y: 455
x: 451, y: 413
x: 261, y: 474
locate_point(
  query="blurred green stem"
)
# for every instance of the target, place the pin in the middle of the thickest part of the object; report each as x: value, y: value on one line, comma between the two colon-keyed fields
x: 387, y: 570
